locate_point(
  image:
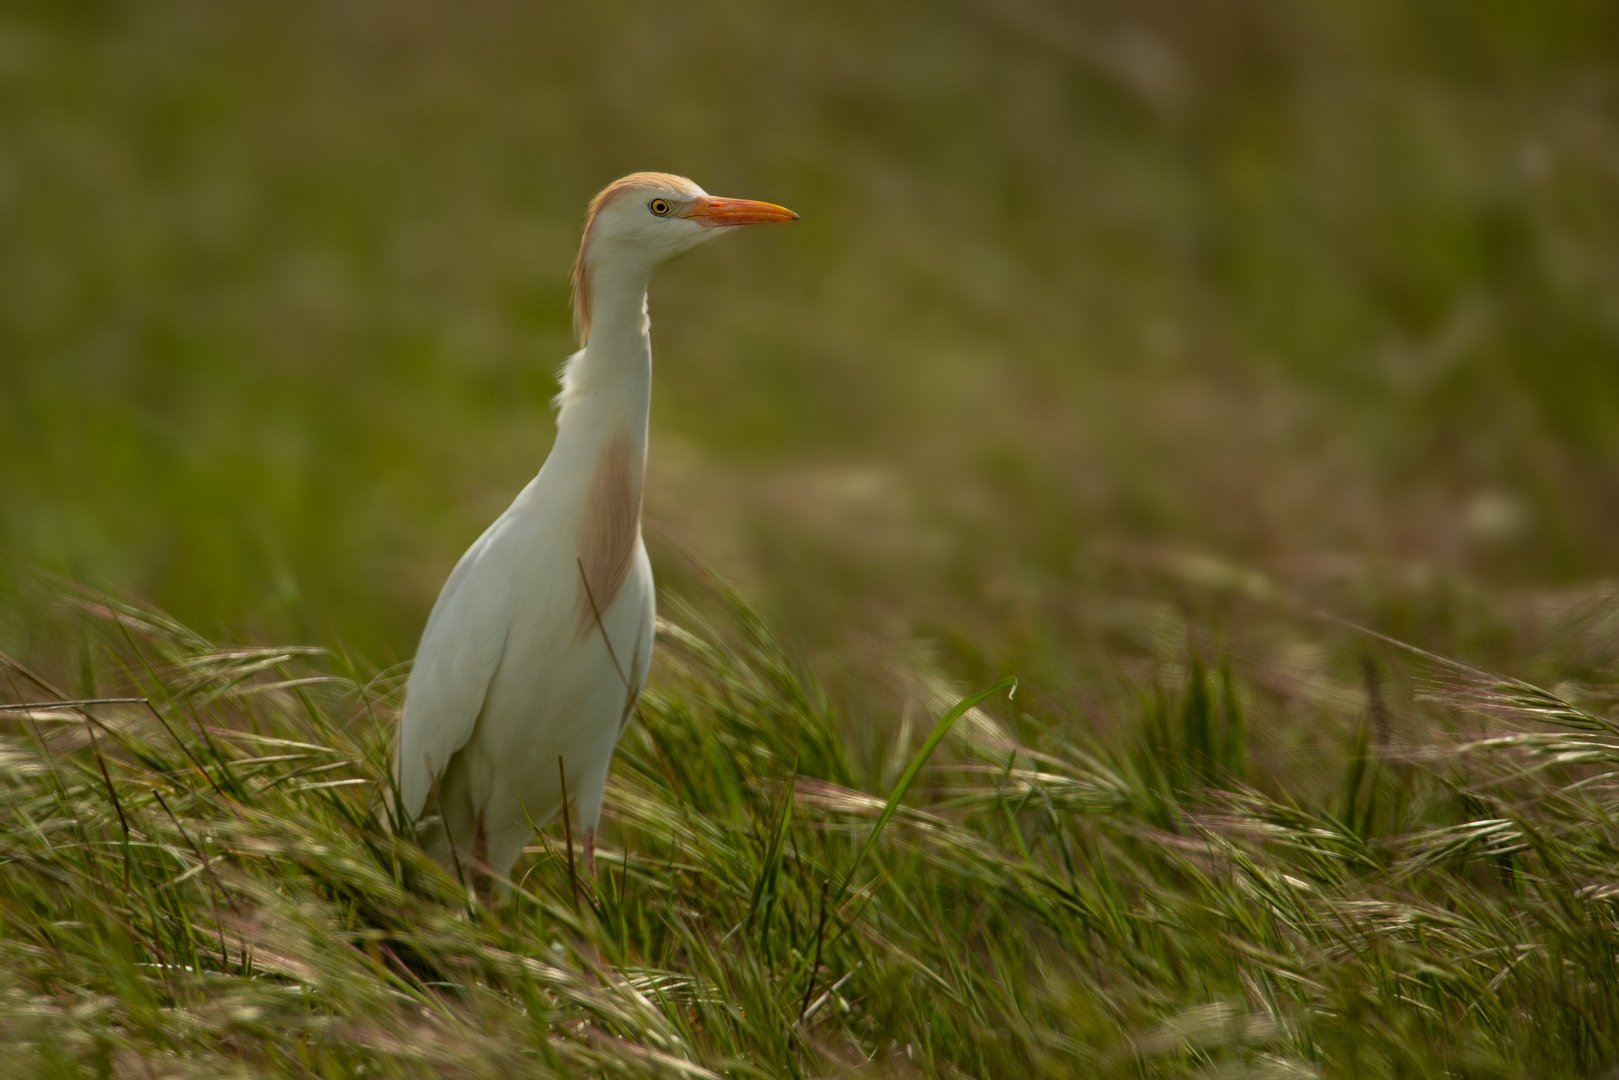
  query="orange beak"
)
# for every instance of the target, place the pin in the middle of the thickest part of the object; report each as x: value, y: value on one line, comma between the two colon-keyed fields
x: 709, y: 211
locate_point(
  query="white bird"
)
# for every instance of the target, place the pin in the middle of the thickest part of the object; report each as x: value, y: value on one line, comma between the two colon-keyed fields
x: 539, y: 642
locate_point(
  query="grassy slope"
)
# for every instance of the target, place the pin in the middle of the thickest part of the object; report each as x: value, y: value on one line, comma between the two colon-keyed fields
x: 1114, y: 341
x: 199, y: 884
x: 1326, y: 291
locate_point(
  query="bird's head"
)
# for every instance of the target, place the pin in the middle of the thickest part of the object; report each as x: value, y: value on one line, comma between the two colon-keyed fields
x: 640, y: 220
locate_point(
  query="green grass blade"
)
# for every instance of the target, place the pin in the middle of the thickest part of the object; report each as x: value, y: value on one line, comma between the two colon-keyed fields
x: 940, y: 730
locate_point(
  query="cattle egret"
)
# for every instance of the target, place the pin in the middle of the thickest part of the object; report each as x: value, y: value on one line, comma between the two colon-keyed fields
x: 539, y: 643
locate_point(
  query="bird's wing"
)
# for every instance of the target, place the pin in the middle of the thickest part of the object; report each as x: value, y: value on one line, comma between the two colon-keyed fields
x: 460, y: 650
x: 640, y: 666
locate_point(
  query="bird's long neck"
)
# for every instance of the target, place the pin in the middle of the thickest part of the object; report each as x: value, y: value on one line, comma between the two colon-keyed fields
x: 600, y: 451
x: 607, y: 385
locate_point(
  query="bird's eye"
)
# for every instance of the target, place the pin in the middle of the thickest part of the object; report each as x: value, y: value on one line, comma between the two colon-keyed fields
x: 660, y: 207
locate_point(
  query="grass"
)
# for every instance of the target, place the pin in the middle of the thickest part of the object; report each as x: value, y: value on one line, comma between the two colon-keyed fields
x: 199, y: 881
x: 1116, y: 344
x: 283, y: 293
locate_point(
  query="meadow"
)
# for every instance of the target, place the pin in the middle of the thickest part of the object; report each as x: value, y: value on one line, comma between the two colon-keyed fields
x: 1241, y: 380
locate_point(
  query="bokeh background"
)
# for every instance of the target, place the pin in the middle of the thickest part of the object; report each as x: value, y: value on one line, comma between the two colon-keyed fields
x: 1111, y: 330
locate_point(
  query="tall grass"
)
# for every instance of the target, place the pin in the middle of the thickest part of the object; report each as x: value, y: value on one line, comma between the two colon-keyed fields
x: 198, y: 881
x: 1106, y: 328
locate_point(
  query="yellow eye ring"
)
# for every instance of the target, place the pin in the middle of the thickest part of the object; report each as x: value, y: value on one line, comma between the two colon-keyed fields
x: 660, y: 207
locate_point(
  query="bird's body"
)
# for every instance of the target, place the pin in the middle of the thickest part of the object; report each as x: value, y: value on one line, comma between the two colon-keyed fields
x: 540, y: 640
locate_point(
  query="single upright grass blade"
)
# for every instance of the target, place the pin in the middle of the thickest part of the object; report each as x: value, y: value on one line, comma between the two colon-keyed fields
x: 940, y: 730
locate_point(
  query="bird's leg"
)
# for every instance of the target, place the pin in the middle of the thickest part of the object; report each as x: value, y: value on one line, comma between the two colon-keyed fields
x: 590, y: 854
x: 481, y: 880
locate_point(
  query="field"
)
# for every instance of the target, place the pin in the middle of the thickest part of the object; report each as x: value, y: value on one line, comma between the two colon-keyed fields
x: 1241, y: 379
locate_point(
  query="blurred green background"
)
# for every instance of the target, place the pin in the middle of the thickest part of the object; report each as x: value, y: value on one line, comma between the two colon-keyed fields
x: 1097, y: 310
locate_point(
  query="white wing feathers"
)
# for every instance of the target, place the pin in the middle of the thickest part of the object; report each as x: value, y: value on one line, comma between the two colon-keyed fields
x: 640, y: 665
x: 460, y: 650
